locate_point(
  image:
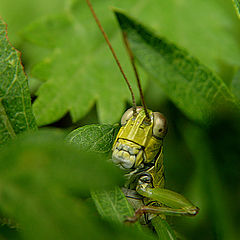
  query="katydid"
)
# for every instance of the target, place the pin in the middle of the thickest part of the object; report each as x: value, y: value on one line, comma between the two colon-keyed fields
x: 138, y: 148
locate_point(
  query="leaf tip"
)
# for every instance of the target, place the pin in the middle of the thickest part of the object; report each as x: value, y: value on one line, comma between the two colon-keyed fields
x: 121, y: 17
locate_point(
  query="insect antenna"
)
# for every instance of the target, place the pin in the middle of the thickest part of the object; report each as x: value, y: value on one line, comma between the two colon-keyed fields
x: 136, y: 74
x: 114, y: 54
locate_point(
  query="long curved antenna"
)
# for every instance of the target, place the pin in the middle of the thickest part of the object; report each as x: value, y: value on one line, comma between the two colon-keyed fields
x: 136, y: 73
x: 114, y: 55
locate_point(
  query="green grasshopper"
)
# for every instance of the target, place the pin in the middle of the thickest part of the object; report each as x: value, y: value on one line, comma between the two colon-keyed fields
x: 138, y: 148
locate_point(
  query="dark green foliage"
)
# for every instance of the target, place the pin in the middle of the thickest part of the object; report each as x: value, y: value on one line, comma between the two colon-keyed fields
x: 199, y: 146
x: 44, y: 184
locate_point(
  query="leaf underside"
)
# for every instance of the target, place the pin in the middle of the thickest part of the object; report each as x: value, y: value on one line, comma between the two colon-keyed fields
x: 193, y: 87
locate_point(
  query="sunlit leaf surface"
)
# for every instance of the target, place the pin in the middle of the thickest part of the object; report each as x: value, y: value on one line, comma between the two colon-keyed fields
x: 80, y: 70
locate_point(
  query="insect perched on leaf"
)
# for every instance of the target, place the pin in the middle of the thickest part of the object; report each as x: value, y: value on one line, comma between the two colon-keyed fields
x: 138, y: 148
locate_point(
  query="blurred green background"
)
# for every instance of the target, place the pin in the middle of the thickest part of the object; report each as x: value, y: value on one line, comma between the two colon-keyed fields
x: 202, y: 162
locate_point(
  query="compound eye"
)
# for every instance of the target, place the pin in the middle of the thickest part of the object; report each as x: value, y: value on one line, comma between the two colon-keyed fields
x: 159, y: 125
x: 146, y: 179
x: 128, y: 114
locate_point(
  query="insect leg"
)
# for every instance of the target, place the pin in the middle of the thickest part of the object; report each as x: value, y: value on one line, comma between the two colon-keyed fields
x: 174, y: 203
x: 161, y: 210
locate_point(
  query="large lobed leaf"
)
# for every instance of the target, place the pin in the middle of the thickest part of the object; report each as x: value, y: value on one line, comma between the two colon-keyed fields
x: 81, y: 71
x: 77, y: 76
x: 193, y: 87
x: 15, y: 103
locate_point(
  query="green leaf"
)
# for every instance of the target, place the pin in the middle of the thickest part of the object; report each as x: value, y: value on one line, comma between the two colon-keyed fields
x: 193, y: 87
x: 15, y: 104
x: 96, y: 137
x: 237, y: 6
x: 112, y: 205
x: 45, y: 213
x: 39, y: 171
x: 235, y: 87
x: 30, y: 10
x: 82, y: 64
x: 163, y: 229
x: 76, y: 72
x: 39, y: 181
x: 180, y: 21
x: 46, y: 156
